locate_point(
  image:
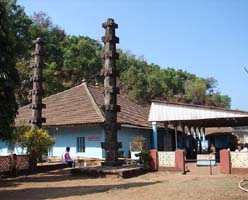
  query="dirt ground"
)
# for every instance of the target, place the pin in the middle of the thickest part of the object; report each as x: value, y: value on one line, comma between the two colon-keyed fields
x: 197, y: 184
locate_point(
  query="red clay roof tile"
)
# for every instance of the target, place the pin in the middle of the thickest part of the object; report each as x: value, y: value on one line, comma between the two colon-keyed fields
x: 81, y: 105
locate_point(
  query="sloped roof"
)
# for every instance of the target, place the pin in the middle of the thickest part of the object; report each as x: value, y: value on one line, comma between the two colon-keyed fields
x: 194, y: 115
x: 131, y: 113
x: 81, y: 105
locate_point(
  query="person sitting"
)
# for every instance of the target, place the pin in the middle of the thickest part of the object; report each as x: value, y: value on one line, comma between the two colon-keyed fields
x: 238, y: 148
x: 67, y: 157
x: 212, y: 149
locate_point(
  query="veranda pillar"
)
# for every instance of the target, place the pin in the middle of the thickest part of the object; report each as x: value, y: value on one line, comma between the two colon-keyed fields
x: 155, y: 135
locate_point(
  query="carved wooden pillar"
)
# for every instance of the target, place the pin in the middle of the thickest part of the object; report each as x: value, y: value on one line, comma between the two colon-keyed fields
x: 37, y: 80
x: 110, y: 106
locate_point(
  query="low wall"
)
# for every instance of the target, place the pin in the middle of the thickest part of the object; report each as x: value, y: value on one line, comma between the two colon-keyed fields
x: 239, y: 159
x: 13, y: 162
x: 233, y: 162
x: 239, y: 162
x: 22, y: 162
x: 168, y: 160
x: 4, y: 163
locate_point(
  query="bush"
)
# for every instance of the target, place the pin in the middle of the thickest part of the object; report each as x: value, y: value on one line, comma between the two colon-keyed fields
x: 36, y: 143
x: 144, y: 158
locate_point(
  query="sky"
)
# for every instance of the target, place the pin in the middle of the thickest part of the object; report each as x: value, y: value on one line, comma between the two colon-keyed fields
x: 208, y: 38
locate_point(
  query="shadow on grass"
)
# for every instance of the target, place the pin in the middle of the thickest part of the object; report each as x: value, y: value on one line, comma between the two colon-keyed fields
x: 62, y: 192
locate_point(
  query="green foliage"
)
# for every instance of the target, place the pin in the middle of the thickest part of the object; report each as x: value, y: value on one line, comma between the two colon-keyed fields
x: 195, y: 91
x: 42, y: 20
x: 69, y: 59
x: 36, y: 142
x: 81, y: 59
x: 16, y: 134
x: 144, y: 158
x: 9, y: 78
x: 219, y: 100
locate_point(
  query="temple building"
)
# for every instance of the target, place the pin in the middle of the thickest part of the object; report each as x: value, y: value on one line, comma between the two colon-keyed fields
x: 74, y: 118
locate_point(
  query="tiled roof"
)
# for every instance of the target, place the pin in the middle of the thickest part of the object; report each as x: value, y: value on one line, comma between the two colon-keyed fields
x: 81, y: 105
x: 131, y: 113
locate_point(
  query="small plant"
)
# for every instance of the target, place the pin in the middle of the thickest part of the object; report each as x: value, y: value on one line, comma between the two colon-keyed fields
x: 36, y: 143
x: 144, y: 158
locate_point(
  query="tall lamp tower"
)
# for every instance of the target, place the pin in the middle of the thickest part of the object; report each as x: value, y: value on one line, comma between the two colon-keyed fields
x: 37, y: 80
x: 110, y: 107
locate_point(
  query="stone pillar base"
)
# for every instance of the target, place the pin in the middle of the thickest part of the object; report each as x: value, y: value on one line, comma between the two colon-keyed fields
x: 180, y: 162
x: 113, y: 164
x: 154, y: 159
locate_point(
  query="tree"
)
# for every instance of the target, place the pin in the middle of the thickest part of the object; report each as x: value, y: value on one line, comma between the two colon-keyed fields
x: 41, y: 26
x: 36, y: 143
x: 154, y: 78
x: 218, y: 100
x: 42, y: 19
x: 9, y: 78
x: 211, y: 84
x: 69, y: 59
x: 134, y: 80
x: 20, y: 28
x: 81, y: 60
x: 195, y: 91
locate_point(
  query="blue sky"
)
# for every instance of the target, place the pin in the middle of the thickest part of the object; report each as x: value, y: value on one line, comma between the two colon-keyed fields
x: 204, y: 37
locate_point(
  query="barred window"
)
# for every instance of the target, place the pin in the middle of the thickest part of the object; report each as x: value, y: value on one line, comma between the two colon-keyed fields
x: 11, y: 148
x: 80, y: 144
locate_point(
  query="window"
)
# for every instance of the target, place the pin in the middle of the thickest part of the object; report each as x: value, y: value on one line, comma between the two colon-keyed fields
x: 80, y: 144
x: 11, y: 148
x: 50, y: 151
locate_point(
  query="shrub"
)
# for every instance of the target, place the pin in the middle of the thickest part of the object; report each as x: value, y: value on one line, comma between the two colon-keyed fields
x: 36, y: 143
x: 144, y: 158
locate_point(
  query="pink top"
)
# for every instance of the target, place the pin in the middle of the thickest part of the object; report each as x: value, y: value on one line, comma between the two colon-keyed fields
x: 67, y: 156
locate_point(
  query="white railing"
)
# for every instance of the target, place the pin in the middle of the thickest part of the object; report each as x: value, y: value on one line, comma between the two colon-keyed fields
x: 239, y: 159
x: 166, y: 159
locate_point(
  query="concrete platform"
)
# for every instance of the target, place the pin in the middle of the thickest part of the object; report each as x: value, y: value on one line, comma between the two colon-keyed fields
x: 106, y: 171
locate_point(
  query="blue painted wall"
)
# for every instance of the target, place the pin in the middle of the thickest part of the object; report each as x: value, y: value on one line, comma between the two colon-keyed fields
x: 126, y: 135
x: 3, y: 148
x: 5, y: 151
x: 67, y: 136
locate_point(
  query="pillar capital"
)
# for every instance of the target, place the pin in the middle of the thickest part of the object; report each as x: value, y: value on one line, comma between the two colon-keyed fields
x: 109, y: 23
x: 154, y: 123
